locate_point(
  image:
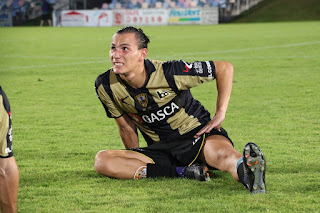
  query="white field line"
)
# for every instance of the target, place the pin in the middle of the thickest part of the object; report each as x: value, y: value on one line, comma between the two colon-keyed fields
x: 156, y: 57
x: 251, y: 49
x: 52, y: 65
x: 194, y: 58
x: 52, y: 57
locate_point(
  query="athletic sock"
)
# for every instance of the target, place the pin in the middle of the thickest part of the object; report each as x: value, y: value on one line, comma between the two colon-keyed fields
x: 140, y: 173
x: 240, y: 171
x: 154, y: 170
x: 180, y: 171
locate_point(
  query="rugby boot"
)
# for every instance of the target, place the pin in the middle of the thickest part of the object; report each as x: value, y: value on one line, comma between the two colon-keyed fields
x: 254, y: 165
x: 197, y: 172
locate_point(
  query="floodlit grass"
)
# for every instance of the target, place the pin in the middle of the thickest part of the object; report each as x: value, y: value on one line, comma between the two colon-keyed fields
x: 282, y: 10
x: 59, y: 124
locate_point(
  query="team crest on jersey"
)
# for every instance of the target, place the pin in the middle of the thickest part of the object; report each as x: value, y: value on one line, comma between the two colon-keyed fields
x: 142, y: 99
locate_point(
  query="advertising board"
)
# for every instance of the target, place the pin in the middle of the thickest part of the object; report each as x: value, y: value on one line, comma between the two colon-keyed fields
x: 140, y: 17
x: 83, y: 18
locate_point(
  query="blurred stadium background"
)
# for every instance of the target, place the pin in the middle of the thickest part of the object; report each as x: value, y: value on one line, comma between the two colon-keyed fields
x: 28, y: 12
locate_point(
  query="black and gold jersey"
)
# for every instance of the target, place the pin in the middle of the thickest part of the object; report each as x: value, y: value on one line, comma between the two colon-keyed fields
x: 5, y: 126
x: 163, y: 109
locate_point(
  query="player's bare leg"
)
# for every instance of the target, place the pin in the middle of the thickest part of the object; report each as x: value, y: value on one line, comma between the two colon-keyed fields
x: 122, y: 164
x: 126, y: 164
x: 9, y: 183
x: 219, y: 153
x: 247, y: 168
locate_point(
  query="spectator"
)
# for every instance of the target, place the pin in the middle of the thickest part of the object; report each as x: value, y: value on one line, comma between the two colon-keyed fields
x: 166, y: 4
x: 105, y: 6
x: 113, y: 4
x: 193, y: 4
x: 173, y: 4
x: 125, y: 4
x: 180, y: 3
x: 152, y: 3
x: 145, y: 5
x: 46, y: 12
x: 202, y: 3
x: 134, y: 4
x: 158, y: 4
x: 118, y: 6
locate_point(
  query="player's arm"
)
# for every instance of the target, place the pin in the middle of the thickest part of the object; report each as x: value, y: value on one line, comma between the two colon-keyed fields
x: 224, y: 78
x: 128, y: 132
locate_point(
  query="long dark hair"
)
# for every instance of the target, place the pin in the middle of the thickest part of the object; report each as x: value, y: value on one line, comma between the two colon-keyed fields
x: 142, y: 38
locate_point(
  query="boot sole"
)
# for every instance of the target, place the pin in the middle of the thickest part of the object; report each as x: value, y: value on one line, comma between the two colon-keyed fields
x: 256, y: 164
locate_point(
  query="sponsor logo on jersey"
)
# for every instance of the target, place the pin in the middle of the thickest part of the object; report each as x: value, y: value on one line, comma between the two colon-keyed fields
x: 135, y: 118
x: 161, y: 94
x: 10, y: 133
x: 195, y: 141
x: 122, y: 100
x: 142, y: 99
x: 8, y: 150
x: 157, y: 116
x: 209, y: 69
x: 161, y: 114
x: 198, y: 67
x: 187, y: 66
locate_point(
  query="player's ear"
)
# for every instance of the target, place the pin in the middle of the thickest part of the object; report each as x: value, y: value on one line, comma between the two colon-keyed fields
x: 144, y: 52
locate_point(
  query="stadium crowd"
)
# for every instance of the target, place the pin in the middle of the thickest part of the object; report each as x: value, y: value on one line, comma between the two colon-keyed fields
x: 143, y: 4
x: 23, y: 10
x: 22, y: 6
x: 15, y: 5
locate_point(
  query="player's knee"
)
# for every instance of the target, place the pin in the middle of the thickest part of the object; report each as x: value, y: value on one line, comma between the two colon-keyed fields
x: 102, y: 161
x: 219, y: 155
x: 221, y: 159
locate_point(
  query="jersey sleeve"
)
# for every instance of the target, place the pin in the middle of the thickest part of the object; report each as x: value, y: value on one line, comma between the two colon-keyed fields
x: 184, y: 75
x: 104, y: 94
x: 5, y: 126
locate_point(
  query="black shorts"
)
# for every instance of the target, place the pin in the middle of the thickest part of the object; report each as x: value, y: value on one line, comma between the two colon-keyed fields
x: 5, y: 127
x: 183, y: 152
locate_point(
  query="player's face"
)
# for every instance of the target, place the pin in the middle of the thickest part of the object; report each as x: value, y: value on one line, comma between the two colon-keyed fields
x: 124, y: 53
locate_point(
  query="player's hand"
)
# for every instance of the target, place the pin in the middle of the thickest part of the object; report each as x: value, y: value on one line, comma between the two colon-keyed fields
x: 215, y: 123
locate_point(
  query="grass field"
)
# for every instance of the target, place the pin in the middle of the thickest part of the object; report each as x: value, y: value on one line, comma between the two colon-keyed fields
x: 59, y: 124
x: 282, y: 11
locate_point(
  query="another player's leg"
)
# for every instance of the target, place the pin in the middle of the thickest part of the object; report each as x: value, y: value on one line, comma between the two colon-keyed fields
x: 9, y: 183
x: 9, y: 173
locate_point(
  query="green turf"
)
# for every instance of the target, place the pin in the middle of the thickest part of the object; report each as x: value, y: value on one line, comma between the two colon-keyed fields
x: 282, y: 10
x: 59, y: 124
